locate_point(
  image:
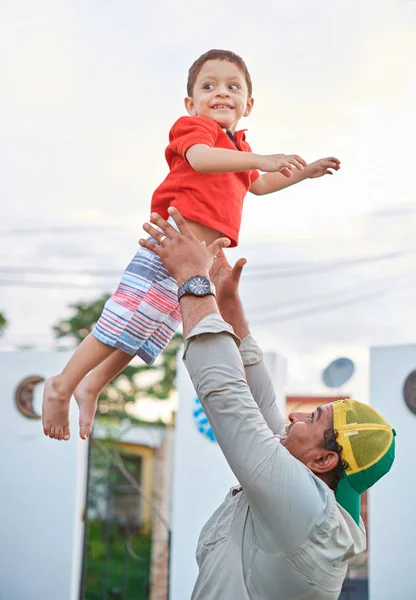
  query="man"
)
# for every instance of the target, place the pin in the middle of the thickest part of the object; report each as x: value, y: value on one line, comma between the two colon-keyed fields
x: 284, y: 533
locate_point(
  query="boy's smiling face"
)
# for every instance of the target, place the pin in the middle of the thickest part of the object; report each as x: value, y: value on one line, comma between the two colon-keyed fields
x: 220, y: 93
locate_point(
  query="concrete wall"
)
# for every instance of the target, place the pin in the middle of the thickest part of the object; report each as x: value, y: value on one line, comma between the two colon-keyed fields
x: 392, y: 501
x: 42, y: 492
x: 201, y: 479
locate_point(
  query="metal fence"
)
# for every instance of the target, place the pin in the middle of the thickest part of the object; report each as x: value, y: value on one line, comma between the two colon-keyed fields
x: 117, y: 549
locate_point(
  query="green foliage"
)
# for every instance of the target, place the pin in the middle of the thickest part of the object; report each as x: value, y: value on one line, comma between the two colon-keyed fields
x: 3, y: 323
x: 133, y: 382
x: 96, y: 550
x: 118, y: 562
x: 82, y: 321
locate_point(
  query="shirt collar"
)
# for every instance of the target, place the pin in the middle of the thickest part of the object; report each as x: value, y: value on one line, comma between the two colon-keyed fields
x: 239, y: 136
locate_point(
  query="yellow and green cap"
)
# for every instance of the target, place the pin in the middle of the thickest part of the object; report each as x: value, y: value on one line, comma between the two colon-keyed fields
x: 368, y: 447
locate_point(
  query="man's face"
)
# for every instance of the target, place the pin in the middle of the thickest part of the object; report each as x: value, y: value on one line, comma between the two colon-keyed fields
x: 305, y: 435
x: 220, y: 93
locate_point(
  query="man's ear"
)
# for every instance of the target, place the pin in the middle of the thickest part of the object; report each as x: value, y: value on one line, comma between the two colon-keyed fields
x: 323, y: 461
x: 249, y: 107
x: 190, y: 106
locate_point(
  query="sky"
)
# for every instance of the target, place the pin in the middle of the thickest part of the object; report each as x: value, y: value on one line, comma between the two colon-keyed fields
x: 89, y: 93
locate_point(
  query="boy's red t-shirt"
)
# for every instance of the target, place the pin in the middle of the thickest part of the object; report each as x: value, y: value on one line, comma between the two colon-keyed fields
x: 213, y: 199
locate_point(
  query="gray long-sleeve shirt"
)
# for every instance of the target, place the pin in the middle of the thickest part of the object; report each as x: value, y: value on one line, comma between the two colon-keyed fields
x: 283, y: 537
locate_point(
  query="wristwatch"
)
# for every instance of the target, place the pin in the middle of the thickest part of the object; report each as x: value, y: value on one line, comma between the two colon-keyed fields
x: 197, y: 286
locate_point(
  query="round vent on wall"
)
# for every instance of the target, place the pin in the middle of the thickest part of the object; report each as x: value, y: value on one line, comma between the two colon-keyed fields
x: 338, y: 372
x: 409, y: 391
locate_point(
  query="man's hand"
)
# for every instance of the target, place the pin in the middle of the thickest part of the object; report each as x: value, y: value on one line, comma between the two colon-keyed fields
x: 282, y: 163
x: 323, y: 166
x: 182, y: 253
x: 226, y: 280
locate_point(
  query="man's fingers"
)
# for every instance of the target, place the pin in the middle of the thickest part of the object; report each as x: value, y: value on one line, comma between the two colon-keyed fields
x: 238, y: 269
x: 156, y: 234
x: 156, y: 248
x: 166, y: 227
x: 217, y: 265
x: 221, y: 259
x: 218, y: 245
x: 179, y: 220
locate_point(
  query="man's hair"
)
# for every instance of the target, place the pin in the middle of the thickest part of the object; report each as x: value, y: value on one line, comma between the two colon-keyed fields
x: 217, y: 55
x: 330, y: 443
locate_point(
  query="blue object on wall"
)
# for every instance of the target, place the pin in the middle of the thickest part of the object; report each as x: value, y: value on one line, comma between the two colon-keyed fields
x: 201, y: 421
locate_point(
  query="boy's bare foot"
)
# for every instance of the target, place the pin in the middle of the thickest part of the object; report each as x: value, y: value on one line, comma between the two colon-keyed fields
x: 55, y: 410
x: 87, y: 399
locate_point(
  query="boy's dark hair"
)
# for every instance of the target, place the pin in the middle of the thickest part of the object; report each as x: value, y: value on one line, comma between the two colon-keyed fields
x: 218, y: 55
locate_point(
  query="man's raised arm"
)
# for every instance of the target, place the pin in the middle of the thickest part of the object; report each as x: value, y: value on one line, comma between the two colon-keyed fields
x: 226, y: 280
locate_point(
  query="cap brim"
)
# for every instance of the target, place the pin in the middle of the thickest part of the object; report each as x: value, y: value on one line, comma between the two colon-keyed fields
x: 348, y: 498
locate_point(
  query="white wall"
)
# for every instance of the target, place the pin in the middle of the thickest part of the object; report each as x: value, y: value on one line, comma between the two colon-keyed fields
x: 42, y: 492
x: 392, y: 501
x: 201, y: 479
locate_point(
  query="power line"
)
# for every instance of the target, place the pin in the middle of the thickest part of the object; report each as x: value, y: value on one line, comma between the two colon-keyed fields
x: 57, y: 271
x: 326, y: 306
x: 391, y: 279
x: 253, y: 273
x: 54, y: 230
x: 49, y: 285
x: 322, y: 307
x: 392, y: 284
x: 330, y: 266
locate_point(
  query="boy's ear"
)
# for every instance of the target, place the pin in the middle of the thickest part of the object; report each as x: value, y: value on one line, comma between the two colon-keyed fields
x: 249, y: 107
x: 190, y: 106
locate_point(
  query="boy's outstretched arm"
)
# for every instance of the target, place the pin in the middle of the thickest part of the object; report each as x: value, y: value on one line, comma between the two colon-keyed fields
x: 206, y: 159
x: 273, y: 182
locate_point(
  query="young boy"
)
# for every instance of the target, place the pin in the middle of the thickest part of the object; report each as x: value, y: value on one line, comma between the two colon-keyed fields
x: 211, y: 170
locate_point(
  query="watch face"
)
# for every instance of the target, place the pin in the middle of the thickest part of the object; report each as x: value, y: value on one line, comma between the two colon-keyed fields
x: 199, y: 286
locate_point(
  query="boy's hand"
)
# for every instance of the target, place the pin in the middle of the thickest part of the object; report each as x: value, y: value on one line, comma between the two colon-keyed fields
x: 282, y: 163
x: 322, y: 167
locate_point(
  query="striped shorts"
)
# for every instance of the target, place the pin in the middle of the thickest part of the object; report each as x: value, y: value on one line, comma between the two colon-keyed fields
x: 143, y: 313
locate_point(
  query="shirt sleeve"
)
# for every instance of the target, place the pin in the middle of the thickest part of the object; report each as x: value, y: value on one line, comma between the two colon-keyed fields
x: 260, y: 384
x: 284, y: 496
x: 188, y: 131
